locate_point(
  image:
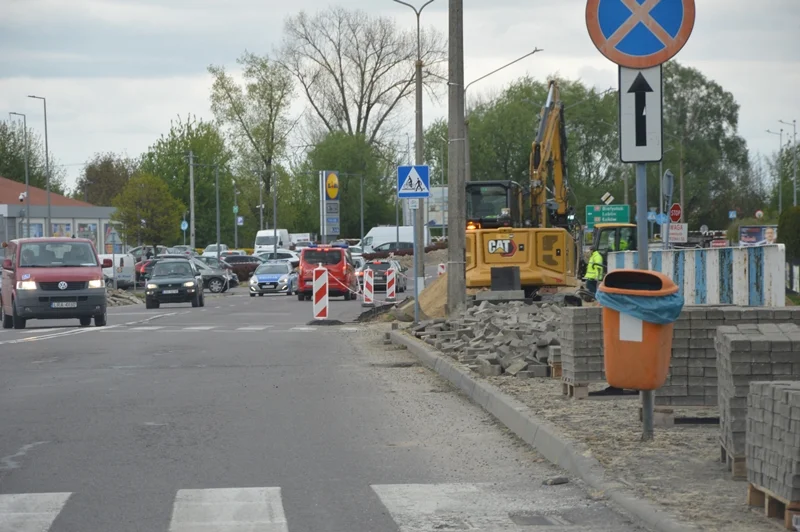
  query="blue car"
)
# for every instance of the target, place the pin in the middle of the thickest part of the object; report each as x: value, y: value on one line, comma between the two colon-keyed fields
x: 273, y: 277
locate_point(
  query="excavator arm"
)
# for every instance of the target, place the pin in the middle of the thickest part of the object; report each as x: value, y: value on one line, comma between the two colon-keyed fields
x: 548, y: 166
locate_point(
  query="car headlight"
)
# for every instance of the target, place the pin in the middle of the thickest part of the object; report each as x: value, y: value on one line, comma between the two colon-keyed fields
x: 189, y: 283
x: 26, y: 285
x: 283, y: 279
x: 151, y: 286
x: 253, y: 280
x: 96, y: 283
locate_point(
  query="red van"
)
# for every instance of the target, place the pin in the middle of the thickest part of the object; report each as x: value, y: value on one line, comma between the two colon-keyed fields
x: 52, y: 278
x: 342, y: 279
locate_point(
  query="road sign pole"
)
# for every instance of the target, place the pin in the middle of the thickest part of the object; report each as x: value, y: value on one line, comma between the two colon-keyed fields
x: 416, y: 272
x: 648, y: 396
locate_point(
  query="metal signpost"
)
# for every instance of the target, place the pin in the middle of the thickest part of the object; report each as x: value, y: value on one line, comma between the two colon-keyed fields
x: 640, y: 37
x: 413, y: 184
x: 184, y: 227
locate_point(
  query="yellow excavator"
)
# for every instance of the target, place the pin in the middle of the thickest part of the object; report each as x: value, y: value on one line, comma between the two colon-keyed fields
x: 531, y: 226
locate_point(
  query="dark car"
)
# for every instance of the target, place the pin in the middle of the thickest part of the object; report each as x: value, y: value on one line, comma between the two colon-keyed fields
x: 244, y: 265
x: 379, y: 268
x: 174, y: 281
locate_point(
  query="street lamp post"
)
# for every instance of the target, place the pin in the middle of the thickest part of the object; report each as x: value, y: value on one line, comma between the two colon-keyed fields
x: 778, y: 168
x: 419, y: 215
x: 48, y: 228
x: 794, y: 159
x: 235, y: 217
x: 467, y: 168
x: 27, y: 183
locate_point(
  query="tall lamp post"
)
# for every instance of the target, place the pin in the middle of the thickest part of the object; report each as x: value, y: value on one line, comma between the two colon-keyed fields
x: 419, y: 215
x: 794, y: 159
x: 778, y: 168
x: 27, y: 183
x: 48, y: 228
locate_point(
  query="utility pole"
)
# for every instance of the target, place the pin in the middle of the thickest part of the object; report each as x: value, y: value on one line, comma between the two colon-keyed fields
x: 260, y: 204
x: 27, y: 183
x: 625, y: 184
x: 456, y: 187
x: 680, y: 172
x: 362, y: 212
x: 191, y: 200
x: 216, y: 187
x: 778, y: 168
x: 794, y: 160
x: 235, y: 217
x: 48, y: 230
x: 419, y: 214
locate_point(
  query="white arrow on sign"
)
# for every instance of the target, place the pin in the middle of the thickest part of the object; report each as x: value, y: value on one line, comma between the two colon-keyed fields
x: 640, y: 115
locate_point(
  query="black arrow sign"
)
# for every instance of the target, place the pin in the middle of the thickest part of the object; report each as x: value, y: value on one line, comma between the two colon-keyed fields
x: 640, y: 88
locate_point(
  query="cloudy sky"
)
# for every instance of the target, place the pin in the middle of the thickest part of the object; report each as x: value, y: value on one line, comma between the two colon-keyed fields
x: 116, y: 71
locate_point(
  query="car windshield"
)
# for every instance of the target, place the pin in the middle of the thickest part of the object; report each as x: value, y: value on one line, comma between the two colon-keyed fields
x: 272, y: 269
x: 378, y: 266
x: 56, y: 254
x: 172, y: 269
x: 213, y: 248
x: 265, y: 240
x: 314, y: 256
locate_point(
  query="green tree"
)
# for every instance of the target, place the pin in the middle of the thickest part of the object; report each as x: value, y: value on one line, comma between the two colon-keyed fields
x: 168, y: 159
x: 789, y: 232
x: 103, y: 177
x: 353, y: 156
x: 147, y: 211
x: 255, y: 116
x: 12, y: 158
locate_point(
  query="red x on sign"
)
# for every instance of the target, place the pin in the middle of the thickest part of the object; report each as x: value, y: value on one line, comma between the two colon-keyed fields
x: 639, y: 33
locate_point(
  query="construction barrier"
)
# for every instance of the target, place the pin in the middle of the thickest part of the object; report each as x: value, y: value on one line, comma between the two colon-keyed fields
x: 369, y: 289
x: 320, y: 294
x: 391, y: 289
x: 442, y: 269
x: 744, y: 276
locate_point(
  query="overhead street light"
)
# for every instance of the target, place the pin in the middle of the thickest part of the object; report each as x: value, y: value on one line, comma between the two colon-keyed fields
x: 794, y: 159
x: 27, y: 183
x: 48, y: 224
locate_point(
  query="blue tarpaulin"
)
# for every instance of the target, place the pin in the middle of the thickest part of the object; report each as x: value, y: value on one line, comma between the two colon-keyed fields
x: 660, y: 310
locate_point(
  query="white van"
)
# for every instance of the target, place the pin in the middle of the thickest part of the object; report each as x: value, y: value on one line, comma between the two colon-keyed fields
x: 265, y: 240
x: 123, y: 269
x: 388, y: 233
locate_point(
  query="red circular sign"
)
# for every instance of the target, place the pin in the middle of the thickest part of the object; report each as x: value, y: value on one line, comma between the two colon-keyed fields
x: 675, y: 212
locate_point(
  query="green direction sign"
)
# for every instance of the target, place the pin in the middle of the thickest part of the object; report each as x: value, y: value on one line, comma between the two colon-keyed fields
x: 235, y: 209
x: 600, y: 214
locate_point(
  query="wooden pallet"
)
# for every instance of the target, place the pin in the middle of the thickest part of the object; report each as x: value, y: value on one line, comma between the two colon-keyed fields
x: 735, y: 464
x: 555, y: 370
x: 773, y: 505
x: 576, y: 391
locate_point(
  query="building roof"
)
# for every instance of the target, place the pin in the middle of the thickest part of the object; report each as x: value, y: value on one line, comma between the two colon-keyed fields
x: 10, y: 191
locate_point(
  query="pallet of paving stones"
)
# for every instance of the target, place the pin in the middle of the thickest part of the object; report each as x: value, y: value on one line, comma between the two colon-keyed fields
x: 775, y: 507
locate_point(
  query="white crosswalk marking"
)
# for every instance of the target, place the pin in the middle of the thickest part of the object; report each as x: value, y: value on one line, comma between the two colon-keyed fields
x: 303, y: 329
x: 200, y: 328
x: 147, y: 328
x: 255, y: 328
x: 434, y: 507
x: 229, y: 510
x: 30, y: 512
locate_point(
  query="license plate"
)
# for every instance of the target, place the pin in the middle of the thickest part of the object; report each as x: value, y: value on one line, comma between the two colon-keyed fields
x: 170, y: 292
x: 64, y: 304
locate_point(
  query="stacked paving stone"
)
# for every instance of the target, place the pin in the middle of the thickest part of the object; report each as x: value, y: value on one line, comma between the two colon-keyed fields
x: 496, y: 338
x: 747, y: 353
x: 581, y: 339
x: 692, y: 379
x: 773, y: 437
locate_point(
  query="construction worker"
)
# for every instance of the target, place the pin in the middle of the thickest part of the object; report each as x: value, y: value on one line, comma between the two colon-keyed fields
x: 594, y: 270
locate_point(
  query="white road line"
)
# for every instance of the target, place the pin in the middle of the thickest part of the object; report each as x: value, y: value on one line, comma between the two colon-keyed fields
x: 228, y: 510
x: 259, y: 328
x: 30, y: 512
x: 303, y: 329
x: 200, y: 328
x: 349, y: 329
x: 38, y: 331
x: 147, y: 328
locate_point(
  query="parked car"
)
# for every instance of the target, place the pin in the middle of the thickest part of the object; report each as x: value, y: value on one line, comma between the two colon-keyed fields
x: 122, y: 272
x: 187, y: 250
x: 273, y: 277
x: 174, y: 281
x: 244, y: 265
x: 379, y: 269
x: 220, y: 264
x: 142, y: 252
x: 52, y: 278
x: 281, y: 254
x: 211, y: 250
x: 216, y: 280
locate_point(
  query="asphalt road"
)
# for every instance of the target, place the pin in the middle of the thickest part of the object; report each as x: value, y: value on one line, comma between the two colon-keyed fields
x: 241, y: 417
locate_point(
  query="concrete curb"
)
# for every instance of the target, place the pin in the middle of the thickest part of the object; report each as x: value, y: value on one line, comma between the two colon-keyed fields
x: 539, y: 434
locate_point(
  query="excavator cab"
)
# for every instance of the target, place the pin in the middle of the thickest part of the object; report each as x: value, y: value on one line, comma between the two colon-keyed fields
x: 493, y: 204
x: 611, y: 237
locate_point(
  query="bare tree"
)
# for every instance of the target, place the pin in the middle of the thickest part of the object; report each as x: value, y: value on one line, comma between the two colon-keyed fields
x: 356, y: 69
x: 257, y: 115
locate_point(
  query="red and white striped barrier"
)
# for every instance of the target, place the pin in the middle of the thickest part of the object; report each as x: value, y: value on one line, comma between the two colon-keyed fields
x: 320, y: 294
x: 442, y: 269
x: 369, y: 289
x: 391, y: 285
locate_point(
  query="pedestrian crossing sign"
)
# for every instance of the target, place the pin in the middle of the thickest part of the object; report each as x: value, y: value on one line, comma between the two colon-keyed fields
x: 413, y: 182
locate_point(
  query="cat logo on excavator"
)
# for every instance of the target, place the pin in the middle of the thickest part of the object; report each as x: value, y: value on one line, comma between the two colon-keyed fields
x: 502, y: 247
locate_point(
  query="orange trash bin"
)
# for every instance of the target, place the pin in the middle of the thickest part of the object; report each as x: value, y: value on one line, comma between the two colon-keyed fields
x: 636, y: 351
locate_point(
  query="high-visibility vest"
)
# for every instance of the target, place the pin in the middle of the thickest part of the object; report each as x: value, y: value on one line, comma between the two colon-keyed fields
x: 594, y: 270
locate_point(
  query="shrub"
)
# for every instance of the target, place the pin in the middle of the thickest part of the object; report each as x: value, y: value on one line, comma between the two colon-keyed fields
x: 789, y: 232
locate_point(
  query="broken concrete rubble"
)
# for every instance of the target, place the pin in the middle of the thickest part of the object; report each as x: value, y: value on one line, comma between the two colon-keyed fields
x: 510, y: 338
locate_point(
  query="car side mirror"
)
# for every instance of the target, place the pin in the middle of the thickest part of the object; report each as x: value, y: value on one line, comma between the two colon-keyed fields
x: 8, y: 264
x: 107, y: 263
